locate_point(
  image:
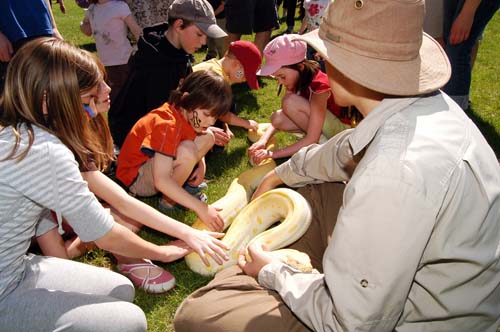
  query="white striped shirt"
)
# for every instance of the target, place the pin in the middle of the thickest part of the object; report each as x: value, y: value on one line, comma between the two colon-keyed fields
x: 48, y: 178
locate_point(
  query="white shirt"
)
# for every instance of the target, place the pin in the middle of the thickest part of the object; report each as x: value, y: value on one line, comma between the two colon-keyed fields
x: 110, y: 31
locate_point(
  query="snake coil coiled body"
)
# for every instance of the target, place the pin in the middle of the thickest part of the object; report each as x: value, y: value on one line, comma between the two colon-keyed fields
x: 249, y: 223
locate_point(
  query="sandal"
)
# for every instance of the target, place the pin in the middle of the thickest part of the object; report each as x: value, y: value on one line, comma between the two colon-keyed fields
x: 161, y: 283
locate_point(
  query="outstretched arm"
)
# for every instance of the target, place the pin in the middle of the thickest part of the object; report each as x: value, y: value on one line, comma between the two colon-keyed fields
x: 202, y: 242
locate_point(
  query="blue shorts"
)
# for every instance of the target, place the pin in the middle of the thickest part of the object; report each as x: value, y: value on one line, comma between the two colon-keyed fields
x: 248, y: 16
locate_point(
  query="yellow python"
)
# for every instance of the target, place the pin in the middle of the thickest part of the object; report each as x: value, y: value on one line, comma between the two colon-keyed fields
x: 249, y: 222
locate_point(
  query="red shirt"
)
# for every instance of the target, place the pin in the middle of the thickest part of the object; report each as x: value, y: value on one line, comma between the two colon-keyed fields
x: 159, y: 131
x: 320, y: 84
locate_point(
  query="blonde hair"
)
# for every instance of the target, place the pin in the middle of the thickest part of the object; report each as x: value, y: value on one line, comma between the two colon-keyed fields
x: 52, y: 72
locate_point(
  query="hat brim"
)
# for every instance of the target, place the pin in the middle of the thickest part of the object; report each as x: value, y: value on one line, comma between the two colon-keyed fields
x: 251, y: 79
x: 268, y: 69
x: 211, y: 30
x: 426, y: 73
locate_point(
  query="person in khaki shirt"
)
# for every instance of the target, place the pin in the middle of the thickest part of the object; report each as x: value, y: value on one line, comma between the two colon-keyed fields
x: 416, y: 228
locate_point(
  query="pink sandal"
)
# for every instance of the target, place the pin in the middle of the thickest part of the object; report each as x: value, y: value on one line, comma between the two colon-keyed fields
x: 162, y: 283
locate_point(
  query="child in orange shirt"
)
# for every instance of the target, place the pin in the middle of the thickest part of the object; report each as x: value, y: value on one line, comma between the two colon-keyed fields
x: 165, y: 149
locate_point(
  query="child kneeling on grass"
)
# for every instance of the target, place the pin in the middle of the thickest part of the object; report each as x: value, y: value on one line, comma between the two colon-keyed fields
x: 308, y: 105
x: 165, y: 149
x: 239, y: 64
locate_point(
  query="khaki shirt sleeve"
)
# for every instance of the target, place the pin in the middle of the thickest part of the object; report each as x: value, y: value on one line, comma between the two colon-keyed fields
x: 329, y: 162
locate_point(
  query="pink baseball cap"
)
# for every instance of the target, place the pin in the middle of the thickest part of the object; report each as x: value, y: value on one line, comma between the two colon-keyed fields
x: 249, y: 56
x: 282, y: 51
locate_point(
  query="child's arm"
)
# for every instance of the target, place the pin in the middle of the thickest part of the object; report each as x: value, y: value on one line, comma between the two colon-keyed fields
x: 235, y: 120
x: 133, y: 26
x: 85, y: 26
x: 318, y: 109
x: 51, y: 244
x: 261, y: 144
x: 317, y: 115
x: 164, y: 182
x: 106, y: 189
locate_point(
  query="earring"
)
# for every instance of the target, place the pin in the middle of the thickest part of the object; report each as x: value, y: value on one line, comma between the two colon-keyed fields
x: 239, y: 74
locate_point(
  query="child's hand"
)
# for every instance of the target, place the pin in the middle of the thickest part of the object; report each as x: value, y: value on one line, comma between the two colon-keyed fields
x: 259, y: 155
x: 211, y: 217
x: 204, y: 242
x: 175, y: 250
x: 259, y: 145
x: 221, y: 136
x: 253, y: 125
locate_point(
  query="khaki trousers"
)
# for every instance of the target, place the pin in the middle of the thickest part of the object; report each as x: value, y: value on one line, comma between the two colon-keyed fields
x: 234, y: 302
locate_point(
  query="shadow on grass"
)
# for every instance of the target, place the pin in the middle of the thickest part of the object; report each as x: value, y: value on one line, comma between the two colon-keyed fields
x: 224, y: 160
x: 243, y: 96
x: 490, y: 132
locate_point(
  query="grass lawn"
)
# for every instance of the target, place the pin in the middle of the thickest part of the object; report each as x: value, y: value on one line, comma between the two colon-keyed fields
x: 222, y: 168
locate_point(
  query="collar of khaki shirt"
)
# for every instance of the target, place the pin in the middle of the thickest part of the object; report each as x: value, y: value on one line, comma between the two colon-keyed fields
x: 363, y: 134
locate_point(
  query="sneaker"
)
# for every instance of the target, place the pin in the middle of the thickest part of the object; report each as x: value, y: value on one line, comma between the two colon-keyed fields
x: 161, y: 283
x: 194, y: 190
x: 202, y: 197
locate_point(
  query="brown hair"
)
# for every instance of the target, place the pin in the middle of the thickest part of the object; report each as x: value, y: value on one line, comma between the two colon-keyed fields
x: 52, y: 72
x: 206, y: 89
x: 185, y: 23
x: 101, y: 134
x: 307, y: 70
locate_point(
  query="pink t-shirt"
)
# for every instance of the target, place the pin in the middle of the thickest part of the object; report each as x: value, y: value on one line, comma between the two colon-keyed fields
x: 110, y: 31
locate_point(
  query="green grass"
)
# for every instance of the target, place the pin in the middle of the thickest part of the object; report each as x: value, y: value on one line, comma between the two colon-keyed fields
x: 222, y: 168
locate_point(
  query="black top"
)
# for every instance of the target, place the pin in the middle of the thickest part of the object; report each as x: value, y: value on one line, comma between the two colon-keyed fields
x: 154, y: 70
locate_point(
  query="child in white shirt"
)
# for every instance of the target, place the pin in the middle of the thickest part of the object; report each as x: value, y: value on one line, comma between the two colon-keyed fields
x: 109, y: 21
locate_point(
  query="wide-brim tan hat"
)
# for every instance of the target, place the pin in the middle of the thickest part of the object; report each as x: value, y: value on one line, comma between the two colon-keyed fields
x: 380, y: 45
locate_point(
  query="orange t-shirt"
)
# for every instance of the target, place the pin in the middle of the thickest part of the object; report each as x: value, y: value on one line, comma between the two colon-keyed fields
x: 159, y: 131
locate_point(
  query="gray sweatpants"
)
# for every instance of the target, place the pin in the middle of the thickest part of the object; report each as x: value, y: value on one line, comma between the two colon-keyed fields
x: 62, y: 295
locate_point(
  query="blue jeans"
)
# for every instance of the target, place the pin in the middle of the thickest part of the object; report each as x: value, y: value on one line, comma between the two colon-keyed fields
x: 460, y: 55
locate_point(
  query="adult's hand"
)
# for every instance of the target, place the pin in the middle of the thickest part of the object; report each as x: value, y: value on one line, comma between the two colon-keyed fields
x: 259, y: 259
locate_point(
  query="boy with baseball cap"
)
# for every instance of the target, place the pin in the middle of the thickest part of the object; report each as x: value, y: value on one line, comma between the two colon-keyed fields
x: 416, y: 238
x: 240, y: 64
x: 162, y: 59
